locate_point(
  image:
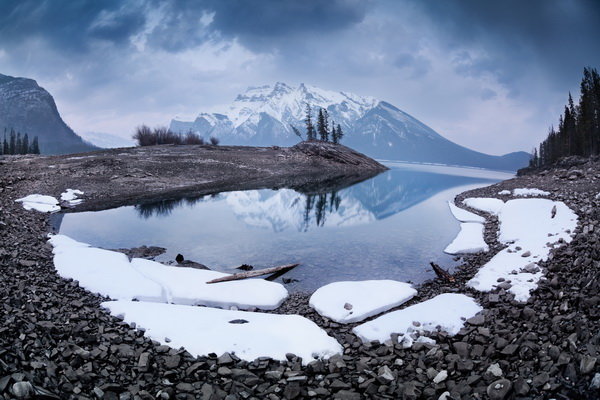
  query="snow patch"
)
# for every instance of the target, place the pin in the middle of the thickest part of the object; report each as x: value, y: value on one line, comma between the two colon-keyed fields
x: 111, y: 274
x: 188, y: 286
x: 249, y: 335
x: 347, y: 302
x: 531, y: 228
x: 530, y: 192
x: 504, y: 192
x: 39, y: 202
x: 71, y: 196
x: 463, y: 215
x: 469, y: 240
x: 446, y: 312
x: 488, y: 205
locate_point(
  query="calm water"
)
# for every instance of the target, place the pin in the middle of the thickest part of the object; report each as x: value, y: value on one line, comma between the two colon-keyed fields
x: 390, y: 226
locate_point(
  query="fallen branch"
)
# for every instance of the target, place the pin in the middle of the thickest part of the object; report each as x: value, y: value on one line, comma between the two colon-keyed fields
x: 441, y: 273
x: 254, y: 273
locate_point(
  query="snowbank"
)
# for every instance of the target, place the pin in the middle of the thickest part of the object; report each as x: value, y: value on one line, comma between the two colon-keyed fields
x: 39, y: 202
x: 531, y: 228
x: 249, y: 335
x: 504, y: 192
x: 487, y: 205
x: 71, y: 196
x: 463, y: 215
x: 447, y: 312
x: 111, y: 274
x: 188, y: 286
x: 469, y: 239
x: 530, y: 192
x: 347, y: 302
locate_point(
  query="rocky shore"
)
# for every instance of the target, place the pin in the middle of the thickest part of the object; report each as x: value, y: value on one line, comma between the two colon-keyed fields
x: 56, y: 342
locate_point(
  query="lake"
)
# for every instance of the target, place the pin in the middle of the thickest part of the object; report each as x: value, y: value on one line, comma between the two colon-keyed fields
x: 388, y: 227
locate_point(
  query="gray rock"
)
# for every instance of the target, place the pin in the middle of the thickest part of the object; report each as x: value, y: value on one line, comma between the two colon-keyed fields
x: 385, y: 375
x: 23, y: 390
x: 499, y: 389
x: 587, y: 364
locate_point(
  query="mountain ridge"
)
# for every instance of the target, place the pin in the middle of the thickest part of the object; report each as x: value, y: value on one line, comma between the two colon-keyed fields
x: 264, y: 116
x: 28, y: 108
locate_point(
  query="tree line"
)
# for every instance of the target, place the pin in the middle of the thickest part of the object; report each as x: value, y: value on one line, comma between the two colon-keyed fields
x: 324, y: 131
x: 15, y: 143
x: 578, y: 131
x: 145, y: 136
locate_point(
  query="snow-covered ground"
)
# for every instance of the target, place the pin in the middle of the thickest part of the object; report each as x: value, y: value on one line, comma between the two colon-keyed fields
x: 469, y: 239
x: 447, y: 312
x: 353, y: 301
x: 202, y: 330
x: 530, y: 228
x: 111, y: 274
x: 39, y: 202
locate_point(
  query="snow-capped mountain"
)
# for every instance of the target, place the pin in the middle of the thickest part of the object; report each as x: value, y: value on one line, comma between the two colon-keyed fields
x: 264, y: 116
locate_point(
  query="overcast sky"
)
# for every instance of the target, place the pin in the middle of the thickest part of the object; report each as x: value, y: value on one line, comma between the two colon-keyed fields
x: 490, y: 75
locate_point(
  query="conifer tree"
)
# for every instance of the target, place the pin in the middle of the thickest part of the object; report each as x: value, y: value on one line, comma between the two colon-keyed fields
x: 19, y: 144
x: 339, y: 133
x: 13, y: 142
x: 5, y: 149
x: 310, y: 128
x: 25, y: 144
x: 35, y: 146
x: 321, y: 127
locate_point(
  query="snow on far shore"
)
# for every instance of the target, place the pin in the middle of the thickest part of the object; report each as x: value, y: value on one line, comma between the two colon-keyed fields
x: 447, y: 312
x: 249, y: 335
x: 39, y: 202
x: 71, y: 196
x: 353, y: 301
x: 469, y: 239
x: 531, y: 228
x: 463, y: 215
x: 111, y: 274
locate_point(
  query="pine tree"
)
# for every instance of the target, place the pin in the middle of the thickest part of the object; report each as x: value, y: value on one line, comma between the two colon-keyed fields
x: 5, y: 149
x: 25, y: 144
x: 13, y: 142
x: 339, y: 133
x: 310, y: 128
x: 35, y: 146
x: 321, y: 127
x: 325, y: 125
x: 19, y: 144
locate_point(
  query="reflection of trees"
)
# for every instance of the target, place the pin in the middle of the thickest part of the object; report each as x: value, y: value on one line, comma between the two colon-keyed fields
x: 320, y: 204
x: 164, y: 208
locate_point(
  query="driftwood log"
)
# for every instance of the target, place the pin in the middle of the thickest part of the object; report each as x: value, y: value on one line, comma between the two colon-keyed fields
x: 254, y: 273
x: 441, y: 273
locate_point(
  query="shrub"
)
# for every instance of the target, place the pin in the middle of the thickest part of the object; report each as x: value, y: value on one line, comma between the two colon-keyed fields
x: 214, y: 141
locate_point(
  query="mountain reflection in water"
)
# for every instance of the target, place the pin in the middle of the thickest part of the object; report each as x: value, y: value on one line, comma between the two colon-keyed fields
x: 387, y: 227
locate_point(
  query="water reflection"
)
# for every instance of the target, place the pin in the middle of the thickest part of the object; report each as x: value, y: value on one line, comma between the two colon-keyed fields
x: 388, y: 227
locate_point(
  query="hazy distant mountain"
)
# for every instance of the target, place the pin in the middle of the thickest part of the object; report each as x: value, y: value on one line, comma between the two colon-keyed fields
x: 263, y: 116
x: 28, y: 108
x: 106, y: 140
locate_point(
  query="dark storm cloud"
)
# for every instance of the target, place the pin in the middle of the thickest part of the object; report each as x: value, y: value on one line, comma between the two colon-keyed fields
x: 68, y: 25
x: 559, y: 37
x: 260, y: 25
